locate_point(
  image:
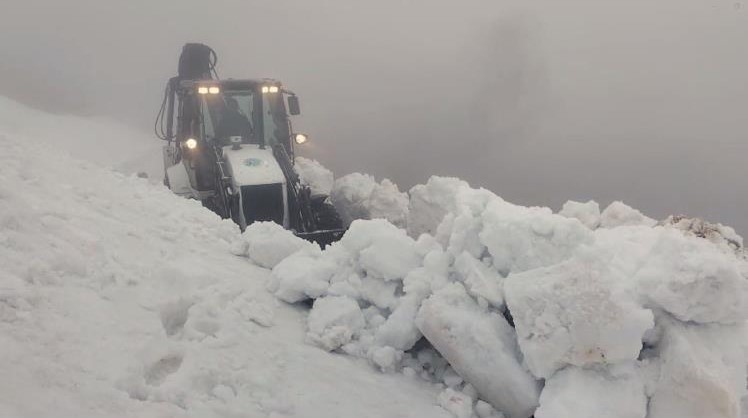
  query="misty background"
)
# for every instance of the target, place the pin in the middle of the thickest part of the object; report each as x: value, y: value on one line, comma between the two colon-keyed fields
x: 542, y: 101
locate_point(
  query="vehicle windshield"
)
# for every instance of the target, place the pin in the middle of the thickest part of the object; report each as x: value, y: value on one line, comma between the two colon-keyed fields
x: 251, y: 115
x: 274, y: 119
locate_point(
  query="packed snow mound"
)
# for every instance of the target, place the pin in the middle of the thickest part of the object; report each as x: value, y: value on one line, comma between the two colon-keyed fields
x: 315, y: 175
x: 120, y: 299
x: 511, y: 297
x: 360, y: 196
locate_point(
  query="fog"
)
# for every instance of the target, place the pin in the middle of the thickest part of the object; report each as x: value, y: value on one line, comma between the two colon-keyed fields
x: 541, y: 101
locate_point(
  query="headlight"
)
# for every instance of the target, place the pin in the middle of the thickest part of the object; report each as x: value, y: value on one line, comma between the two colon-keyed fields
x: 208, y: 89
x: 274, y: 89
x: 265, y: 89
x: 300, y: 138
x: 270, y: 89
x: 191, y: 143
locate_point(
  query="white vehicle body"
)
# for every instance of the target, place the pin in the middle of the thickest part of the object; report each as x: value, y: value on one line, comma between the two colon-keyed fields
x: 247, y: 165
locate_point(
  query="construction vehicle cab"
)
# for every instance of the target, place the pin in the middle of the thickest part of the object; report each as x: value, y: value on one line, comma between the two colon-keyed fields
x: 231, y: 146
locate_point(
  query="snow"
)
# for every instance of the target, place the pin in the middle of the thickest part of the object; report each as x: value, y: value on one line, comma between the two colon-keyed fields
x: 458, y: 403
x: 102, y: 141
x: 481, y: 346
x: 698, y: 376
x: 313, y: 174
x: 481, y: 281
x: 719, y: 234
x: 119, y: 298
x: 300, y: 277
x: 591, y: 393
x: 694, y: 281
x: 621, y: 214
x: 587, y: 213
x: 430, y: 202
x: 521, y: 238
x: 334, y: 321
x: 360, y: 196
x: 574, y: 314
x: 585, y: 291
x: 267, y: 244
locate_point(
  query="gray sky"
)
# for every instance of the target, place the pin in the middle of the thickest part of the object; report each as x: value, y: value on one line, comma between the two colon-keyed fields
x: 541, y: 101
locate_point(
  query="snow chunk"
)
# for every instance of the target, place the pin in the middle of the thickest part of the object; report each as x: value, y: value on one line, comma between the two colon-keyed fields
x: 480, y: 346
x: 703, y: 372
x: 267, y: 244
x: 694, y: 280
x: 430, y: 202
x: 621, y: 214
x: 315, y: 175
x: 386, y: 358
x: 587, y: 213
x: 399, y: 330
x: 574, y: 314
x: 520, y: 238
x: 390, y: 257
x: 459, y: 404
x: 333, y: 321
x: 579, y: 393
x: 480, y: 280
x: 301, y: 276
x: 384, y: 251
x: 359, y: 196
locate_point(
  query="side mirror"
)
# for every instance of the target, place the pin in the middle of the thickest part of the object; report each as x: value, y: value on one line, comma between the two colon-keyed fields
x: 293, y: 105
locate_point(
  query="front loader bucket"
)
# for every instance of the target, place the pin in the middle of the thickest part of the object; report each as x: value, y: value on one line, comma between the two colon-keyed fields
x: 323, y: 237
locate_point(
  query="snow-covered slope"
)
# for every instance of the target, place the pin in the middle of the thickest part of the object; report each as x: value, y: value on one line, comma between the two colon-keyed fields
x: 118, y: 298
x: 105, y: 142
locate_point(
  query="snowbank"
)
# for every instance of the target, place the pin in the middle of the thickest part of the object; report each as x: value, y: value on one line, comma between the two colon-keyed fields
x: 593, y: 304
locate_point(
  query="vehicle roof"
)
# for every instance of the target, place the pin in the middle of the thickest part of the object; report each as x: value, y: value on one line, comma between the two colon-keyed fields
x: 233, y: 83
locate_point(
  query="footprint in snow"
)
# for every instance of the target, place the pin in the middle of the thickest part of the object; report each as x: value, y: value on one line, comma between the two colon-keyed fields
x: 161, y: 369
x: 174, y: 315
